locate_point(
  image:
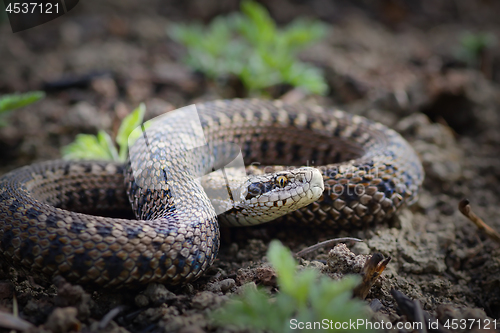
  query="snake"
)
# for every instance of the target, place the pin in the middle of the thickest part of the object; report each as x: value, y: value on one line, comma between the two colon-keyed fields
x: 305, y: 163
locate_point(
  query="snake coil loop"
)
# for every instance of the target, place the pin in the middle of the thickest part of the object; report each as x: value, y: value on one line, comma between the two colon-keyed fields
x: 366, y: 170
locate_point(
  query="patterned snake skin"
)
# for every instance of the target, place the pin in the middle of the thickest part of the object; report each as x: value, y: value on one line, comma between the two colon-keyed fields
x: 368, y: 170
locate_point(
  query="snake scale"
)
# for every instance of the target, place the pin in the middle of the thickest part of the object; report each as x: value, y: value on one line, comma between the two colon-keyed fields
x: 360, y: 172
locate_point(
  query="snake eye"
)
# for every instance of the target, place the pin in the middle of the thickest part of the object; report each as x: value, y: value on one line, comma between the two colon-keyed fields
x: 282, y: 181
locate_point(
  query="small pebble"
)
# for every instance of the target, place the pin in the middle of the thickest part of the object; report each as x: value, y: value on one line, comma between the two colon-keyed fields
x: 227, y: 284
x: 63, y: 320
x: 360, y: 248
x: 158, y: 293
x: 141, y: 300
x: 376, y: 305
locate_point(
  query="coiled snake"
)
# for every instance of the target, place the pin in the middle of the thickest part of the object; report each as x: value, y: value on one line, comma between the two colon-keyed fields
x: 363, y: 172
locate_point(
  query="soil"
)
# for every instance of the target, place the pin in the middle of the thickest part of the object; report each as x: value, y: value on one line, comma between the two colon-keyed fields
x: 394, y: 61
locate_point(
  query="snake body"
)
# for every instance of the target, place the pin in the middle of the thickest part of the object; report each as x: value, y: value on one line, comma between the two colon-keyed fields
x: 50, y: 221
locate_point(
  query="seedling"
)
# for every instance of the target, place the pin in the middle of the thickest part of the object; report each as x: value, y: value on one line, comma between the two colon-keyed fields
x: 101, y: 146
x: 15, y: 101
x: 473, y: 45
x: 304, y: 297
x: 251, y: 47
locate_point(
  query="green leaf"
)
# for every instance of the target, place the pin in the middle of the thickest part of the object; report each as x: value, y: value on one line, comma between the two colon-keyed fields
x: 218, y: 36
x: 303, y: 283
x: 281, y: 259
x: 306, y: 77
x: 106, y: 142
x: 14, y: 101
x: 472, y: 45
x: 475, y: 43
x: 302, y: 32
x: 188, y: 35
x: 257, y: 25
x: 88, y: 147
x: 304, y: 296
x: 128, y: 124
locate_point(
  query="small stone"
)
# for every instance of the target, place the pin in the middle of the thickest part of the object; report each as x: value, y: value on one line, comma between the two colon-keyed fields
x: 69, y: 295
x: 361, y: 248
x: 158, y: 293
x: 266, y: 276
x: 227, y: 284
x: 141, y: 300
x: 214, y: 287
x: 188, y: 289
x: 206, y: 299
x: 342, y: 260
x: 63, y: 320
x: 376, y: 305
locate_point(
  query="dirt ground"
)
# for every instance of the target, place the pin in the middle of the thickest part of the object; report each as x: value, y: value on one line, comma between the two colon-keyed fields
x: 394, y: 61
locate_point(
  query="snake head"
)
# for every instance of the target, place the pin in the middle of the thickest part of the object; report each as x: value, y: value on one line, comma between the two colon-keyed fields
x: 266, y: 197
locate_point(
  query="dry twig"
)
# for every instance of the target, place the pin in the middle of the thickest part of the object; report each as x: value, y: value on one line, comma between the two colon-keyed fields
x: 466, y: 210
x: 326, y: 243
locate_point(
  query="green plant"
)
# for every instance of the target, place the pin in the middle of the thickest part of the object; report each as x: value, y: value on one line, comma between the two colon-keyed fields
x: 101, y: 146
x: 304, y: 297
x: 15, y: 101
x: 250, y: 46
x: 472, y: 46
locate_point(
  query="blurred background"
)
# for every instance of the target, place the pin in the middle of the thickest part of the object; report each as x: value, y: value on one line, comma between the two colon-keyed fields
x: 102, y: 59
x: 429, y: 69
